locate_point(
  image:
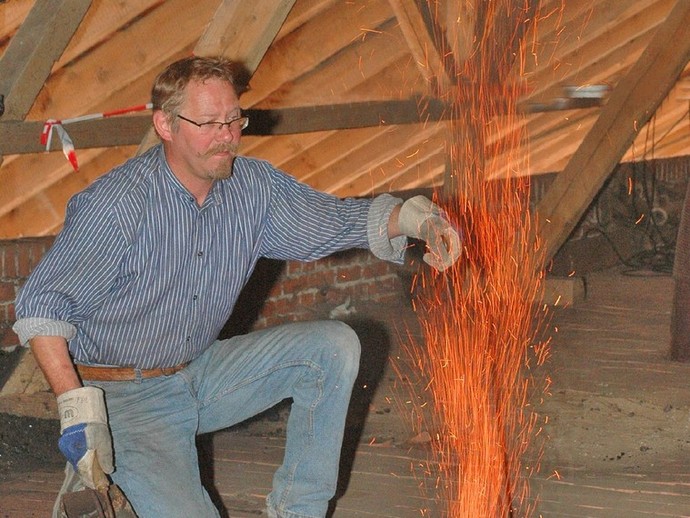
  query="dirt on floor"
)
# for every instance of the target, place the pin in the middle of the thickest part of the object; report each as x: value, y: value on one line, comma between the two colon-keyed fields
x: 26, y: 443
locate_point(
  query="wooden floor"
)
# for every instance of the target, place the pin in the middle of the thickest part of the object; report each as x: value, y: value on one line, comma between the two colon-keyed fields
x: 618, y: 429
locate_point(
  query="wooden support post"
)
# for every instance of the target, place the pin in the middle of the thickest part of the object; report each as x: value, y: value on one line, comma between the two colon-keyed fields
x: 680, y: 306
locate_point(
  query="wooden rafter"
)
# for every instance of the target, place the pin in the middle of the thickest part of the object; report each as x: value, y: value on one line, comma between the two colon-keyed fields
x: 333, y: 72
x: 422, y: 45
x: 242, y: 31
x: 461, y: 20
x: 27, y: 62
x: 632, y: 104
x: 25, y: 177
x: 22, y: 137
x: 40, y: 41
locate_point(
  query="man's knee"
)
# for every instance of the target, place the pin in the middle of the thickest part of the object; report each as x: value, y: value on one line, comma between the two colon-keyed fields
x: 343, y: 341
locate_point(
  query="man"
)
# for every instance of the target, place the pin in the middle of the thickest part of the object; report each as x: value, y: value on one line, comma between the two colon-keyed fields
x: 123, y: 312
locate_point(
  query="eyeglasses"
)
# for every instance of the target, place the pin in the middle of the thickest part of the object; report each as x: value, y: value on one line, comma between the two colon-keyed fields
x: 236, y: 124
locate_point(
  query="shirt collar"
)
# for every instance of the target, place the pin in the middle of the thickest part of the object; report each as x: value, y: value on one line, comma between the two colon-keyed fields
x: 213, y: 197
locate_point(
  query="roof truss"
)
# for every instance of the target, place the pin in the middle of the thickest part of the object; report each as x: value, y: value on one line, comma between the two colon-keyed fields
x: 631, y: 105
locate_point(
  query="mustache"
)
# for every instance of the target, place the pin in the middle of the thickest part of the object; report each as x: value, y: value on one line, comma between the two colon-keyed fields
x: 223, y: 148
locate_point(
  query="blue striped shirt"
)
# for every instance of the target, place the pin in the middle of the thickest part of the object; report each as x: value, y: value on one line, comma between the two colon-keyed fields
x: 142, y: 276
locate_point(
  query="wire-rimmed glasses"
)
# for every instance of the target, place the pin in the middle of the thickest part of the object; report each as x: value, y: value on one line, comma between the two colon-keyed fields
x: 236, y: 124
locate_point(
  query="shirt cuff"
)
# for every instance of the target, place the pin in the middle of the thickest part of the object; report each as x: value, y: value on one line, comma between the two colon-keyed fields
x: 28, y: 328
x: 381, y: 246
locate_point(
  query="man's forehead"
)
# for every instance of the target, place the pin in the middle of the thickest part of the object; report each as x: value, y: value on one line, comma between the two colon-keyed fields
x: 204, y: 91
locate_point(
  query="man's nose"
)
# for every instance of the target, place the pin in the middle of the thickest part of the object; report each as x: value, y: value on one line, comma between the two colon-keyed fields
x: 226, y: 133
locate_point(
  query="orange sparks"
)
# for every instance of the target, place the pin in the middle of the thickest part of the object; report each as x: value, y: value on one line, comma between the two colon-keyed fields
x: 479, y: 317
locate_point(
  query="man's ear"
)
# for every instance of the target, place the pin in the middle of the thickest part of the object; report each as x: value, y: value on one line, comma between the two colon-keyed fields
x: 162, y: 125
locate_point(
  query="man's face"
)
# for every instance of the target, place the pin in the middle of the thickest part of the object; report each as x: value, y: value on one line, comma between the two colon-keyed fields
x: 204, y: 154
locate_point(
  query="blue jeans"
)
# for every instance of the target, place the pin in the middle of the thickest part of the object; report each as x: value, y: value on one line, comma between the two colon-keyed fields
x: 154, y: 422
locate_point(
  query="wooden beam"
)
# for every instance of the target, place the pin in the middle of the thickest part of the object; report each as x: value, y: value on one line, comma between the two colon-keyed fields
x: 242, y: 31
x: 461, y: 18
x: 487, y: 76
x: 377, y: 157
x: 292, y: 55
x: 110, y: 79
x: 17, y: 138
x: 345, y: 116
x: 24, y: 137
x: 44, y: 213
x: 613, y: 36
x: 353, y: 73
x: 631, y: 105
x: 37, y: 45
x: 422, y: 45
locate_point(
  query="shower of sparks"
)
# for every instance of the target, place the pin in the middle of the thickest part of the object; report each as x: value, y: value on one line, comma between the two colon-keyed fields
x: 480, y: 318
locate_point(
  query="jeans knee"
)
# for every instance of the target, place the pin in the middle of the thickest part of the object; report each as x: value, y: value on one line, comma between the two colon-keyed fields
x: 343, y: 344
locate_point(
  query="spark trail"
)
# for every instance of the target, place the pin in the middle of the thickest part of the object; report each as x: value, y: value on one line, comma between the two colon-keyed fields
x: 480, y: 318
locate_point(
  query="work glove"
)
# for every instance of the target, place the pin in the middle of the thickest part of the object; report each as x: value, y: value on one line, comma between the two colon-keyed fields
x: 84, y: 434
x: 420, y: 218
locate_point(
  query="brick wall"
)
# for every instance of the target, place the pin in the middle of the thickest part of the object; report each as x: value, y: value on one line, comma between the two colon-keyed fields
x: 633, y: 221
x: 17, y: 259
x: 277, y: 292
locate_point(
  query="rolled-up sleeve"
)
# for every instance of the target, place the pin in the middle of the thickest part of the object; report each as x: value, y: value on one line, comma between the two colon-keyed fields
x: 377, y: 230
x: 73, y: 278
x: 30, y: 327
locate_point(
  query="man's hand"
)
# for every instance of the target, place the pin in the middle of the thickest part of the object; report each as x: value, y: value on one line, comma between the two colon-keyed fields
x: 85, y: 437
x: 422, y: 219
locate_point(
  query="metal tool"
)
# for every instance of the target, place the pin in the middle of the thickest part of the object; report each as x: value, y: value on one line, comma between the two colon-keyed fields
x: 106, y: 501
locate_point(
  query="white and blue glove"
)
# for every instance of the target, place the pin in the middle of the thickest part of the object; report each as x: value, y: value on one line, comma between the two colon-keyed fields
x: 420, y: 218
x: 84, y: 434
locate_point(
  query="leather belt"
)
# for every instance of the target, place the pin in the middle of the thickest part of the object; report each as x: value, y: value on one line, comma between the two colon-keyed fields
x: 99, y: 373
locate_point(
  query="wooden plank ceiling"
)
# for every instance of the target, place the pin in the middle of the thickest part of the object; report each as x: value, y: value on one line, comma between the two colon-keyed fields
x: 334, y: 94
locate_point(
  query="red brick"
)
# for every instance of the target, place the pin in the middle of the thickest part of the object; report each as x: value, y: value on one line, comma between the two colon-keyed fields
x: 275, y: 291
x: 294, y: 268
x: 306, y: 299
x: 10, y: 315
x: 5, y: 252
x: 335, y: 297
x: 302, y: 267
x: 9, y: 260
x: 326, y: 277
x: 28, y: 253
x: 282, y: 306
x: 8, y: 338
x: 23, y: 261
x: 38, y: 250
x: 7, y: 292
x: 291, y: 285
x: 348, y: 273
x: 376, y: 269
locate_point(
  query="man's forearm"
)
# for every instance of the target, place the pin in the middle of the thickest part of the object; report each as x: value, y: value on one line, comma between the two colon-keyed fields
x: 53, y: 358
x: 393, y: 227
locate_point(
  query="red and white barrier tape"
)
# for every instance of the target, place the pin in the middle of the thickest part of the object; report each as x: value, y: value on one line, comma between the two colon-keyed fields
x: 67, y: 144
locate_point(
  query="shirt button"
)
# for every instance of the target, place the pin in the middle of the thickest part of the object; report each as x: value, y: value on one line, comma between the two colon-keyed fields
x: 200, y: 253
x: 195, y: 297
